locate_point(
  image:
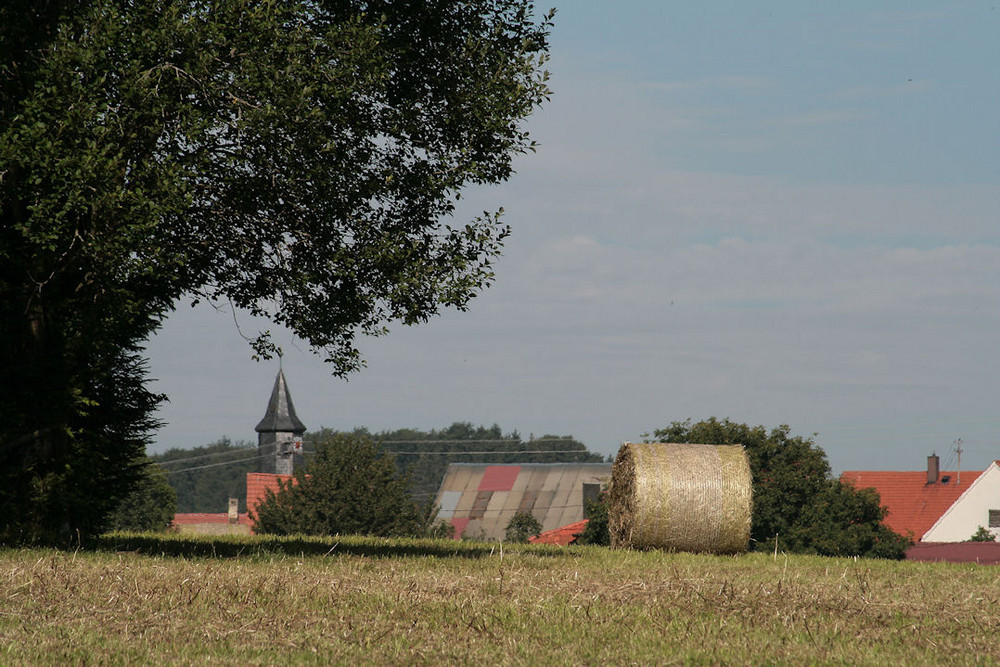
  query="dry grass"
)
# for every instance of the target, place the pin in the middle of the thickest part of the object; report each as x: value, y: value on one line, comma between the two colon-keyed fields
x: 585, y: 605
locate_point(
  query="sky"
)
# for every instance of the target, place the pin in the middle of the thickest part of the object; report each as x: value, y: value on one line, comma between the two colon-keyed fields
x: 772, y: 212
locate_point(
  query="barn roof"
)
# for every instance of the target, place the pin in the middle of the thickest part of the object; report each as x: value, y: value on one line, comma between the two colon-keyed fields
x: 480, y: 499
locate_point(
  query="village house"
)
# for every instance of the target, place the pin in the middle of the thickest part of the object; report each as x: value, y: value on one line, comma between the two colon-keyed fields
x: 939, y: 510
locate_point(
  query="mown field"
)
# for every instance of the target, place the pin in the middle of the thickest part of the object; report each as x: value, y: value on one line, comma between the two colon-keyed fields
x: 367, y: 601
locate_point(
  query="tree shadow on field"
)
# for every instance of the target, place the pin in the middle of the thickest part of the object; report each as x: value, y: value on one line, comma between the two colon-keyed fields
x: 217, y: 546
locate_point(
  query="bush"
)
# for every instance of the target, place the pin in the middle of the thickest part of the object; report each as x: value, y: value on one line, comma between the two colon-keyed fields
x: 982, y: 535
x: 346, y: 487
x: 442, y: 530
x: 522, y: 526
x: 596, y: 531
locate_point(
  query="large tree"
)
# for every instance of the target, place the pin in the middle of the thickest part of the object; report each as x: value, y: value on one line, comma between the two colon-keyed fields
x: 298, y: 159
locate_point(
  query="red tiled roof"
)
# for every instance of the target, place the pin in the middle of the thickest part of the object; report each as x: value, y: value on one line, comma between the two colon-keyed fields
x: 195, y: 518
x: 499, y: 478
x: 561, y: 536
x: 914, y: 505
x: 257, y: 485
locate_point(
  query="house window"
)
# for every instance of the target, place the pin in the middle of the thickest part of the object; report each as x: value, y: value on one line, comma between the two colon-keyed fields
x: 994, y: 518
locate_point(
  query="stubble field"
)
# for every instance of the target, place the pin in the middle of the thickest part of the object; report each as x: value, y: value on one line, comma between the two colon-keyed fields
x: 367, y: 601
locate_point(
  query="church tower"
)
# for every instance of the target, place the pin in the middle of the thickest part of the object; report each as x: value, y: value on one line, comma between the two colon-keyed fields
x: 278, y: 431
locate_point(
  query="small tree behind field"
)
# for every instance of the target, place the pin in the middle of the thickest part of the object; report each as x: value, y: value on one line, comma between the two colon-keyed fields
x: 522, y: 526
x: 596, y: 531
x: 347, y: 486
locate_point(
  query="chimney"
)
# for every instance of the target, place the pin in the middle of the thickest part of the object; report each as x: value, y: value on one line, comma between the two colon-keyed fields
x: 932, y: 469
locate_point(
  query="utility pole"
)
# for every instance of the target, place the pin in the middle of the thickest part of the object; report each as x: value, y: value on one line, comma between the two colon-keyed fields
x: 958, y: 450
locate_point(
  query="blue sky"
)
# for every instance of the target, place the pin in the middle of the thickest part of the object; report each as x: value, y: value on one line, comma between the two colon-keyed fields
x: 780, y: 213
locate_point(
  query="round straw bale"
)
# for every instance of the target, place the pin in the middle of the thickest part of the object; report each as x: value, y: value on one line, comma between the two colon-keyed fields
x: 682, y: 497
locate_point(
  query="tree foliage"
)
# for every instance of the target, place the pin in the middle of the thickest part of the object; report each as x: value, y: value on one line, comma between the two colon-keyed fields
x: 982, y: 534
x: 67, y: 459
x: 425, y: 455
x: 522, y: 526
x: 596, y: 530
x: 796, y: 501
x: 297, y: 159
x: 347, y: 487
x: 151, y: 505
x: 843, y: 521
x: 206, y: 477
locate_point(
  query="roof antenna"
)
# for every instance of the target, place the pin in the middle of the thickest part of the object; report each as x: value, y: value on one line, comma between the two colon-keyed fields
x: 958, y: 450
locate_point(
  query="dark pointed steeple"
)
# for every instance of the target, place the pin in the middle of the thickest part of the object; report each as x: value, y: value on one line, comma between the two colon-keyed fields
x: 278, y: 431
x: 280, y: 416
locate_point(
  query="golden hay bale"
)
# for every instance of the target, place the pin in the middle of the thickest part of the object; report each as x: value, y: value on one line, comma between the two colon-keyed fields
x: 681, y: 497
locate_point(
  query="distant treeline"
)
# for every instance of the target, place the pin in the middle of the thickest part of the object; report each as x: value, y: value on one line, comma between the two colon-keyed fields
x: 206, y: 477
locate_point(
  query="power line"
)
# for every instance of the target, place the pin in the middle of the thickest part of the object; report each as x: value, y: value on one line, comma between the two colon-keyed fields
x: 474, y: 452
x: 495, y: 513
x: 455, y: 453
x: 204, y: 456
x: 948, y: 461
x: 271, y: 446
x: 463, y: 440
x: 213, y: 465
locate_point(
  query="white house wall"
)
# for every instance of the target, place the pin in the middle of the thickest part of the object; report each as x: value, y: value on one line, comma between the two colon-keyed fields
x: 970, y: 511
